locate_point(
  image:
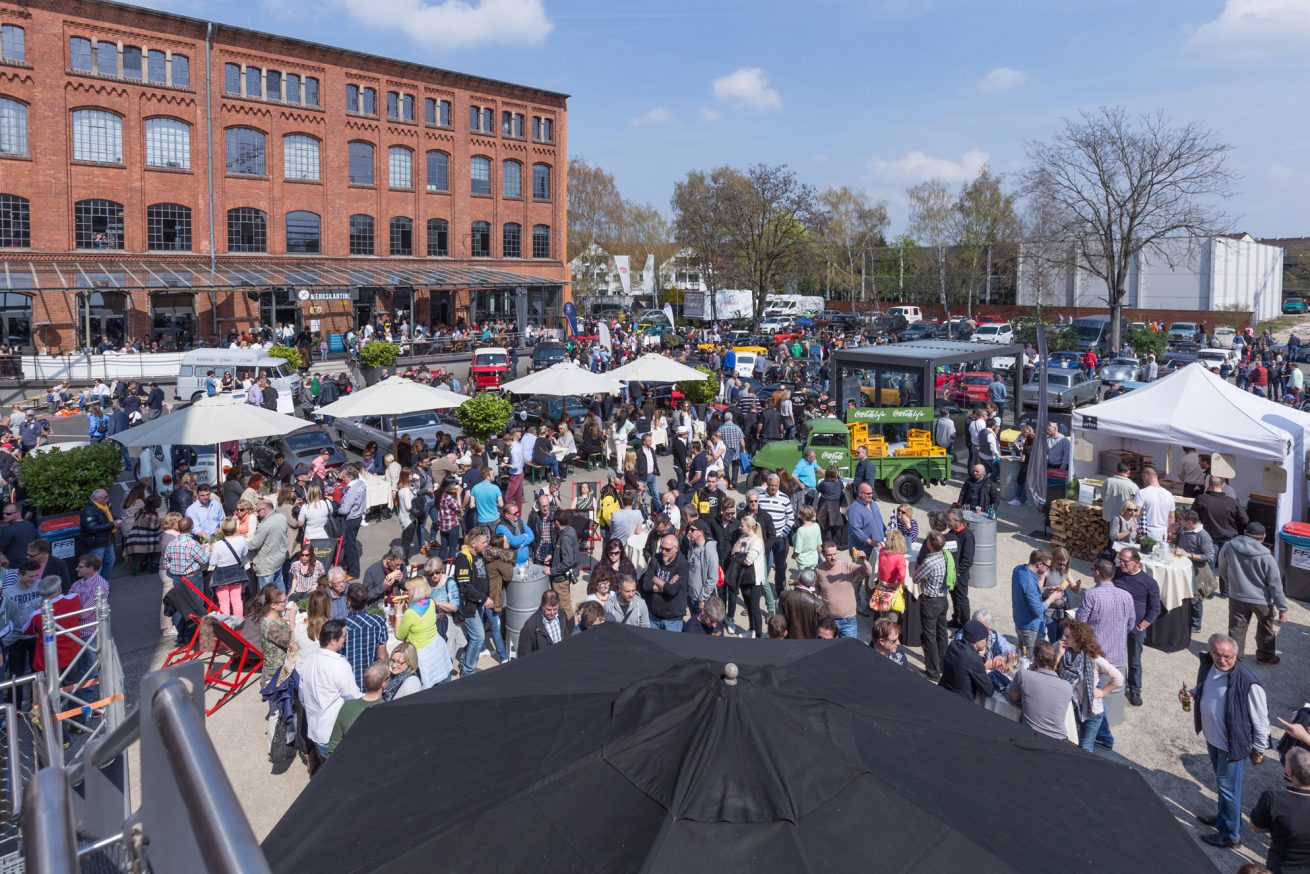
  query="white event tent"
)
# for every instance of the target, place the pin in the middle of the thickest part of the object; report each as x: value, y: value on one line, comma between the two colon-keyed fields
x: 1195, y: 408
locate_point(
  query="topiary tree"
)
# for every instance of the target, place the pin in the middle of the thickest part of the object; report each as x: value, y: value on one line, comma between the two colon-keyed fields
x: 287, y: 354
x: 484, y: 415
x: 1144, y: 340
x: 700, y: 391
x: 62, y: 480
x: 378, y: 353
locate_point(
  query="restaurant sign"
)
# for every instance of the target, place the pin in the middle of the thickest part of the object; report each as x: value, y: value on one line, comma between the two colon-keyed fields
x: 310, y: 295
x: 885, y: 415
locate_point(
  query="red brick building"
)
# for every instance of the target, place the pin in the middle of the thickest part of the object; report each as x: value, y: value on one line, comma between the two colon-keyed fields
x: 171, y: 178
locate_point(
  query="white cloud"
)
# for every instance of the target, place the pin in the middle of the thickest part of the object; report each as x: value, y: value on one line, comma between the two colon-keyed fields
x: 1003, y: 79
x: 1248, y: 29
x: 747, y: 88
x: 708, y: 114
x: 917, y: 166
x: 456, y: 24
x: 656, y: 115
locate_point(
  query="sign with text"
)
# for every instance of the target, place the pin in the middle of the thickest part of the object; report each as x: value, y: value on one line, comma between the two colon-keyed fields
x: 309, y: 295
x: 886, y: 415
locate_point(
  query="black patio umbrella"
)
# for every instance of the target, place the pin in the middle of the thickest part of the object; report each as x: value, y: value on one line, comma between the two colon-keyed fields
x: 629, y: 750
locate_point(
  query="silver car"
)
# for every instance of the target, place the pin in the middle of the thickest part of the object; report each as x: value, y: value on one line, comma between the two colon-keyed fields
x: 1119, y: 370
x: 358, y: 432
x: 1065, y: 389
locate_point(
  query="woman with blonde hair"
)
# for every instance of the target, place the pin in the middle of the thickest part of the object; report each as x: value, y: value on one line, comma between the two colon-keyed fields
x: 315, y: 512
x: 246, y: 519
x: 418, y: 625
x: 1123, y: 528
x: 404, y: 679
x: 167, y: 531
x: 888, y: 598
x: 749, y: 574
x: 227, y: 559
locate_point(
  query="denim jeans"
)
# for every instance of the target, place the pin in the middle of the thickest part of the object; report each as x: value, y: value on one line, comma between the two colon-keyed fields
x: 847, y: 628
x: 653, y: 492
x: 1229, y: 778
x: 778, y: 551
x: 275, y: 577
x: 1135, y: 641
x: 1088, y: 730
x: 450, y: 543
x: 497, y: 640
x: 666, y: 624
x: 472, y: 625
x: 106, y: 554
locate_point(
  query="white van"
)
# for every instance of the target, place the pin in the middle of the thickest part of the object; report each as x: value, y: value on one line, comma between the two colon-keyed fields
x: 911, y: 314
x: 257, y: 362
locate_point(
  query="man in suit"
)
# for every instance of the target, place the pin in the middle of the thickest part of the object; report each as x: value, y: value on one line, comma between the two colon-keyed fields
x: 648, y: 469
x: 544, y: 628
x: 678, y: 446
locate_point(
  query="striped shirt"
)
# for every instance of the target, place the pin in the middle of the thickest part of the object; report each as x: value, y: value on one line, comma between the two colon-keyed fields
x: 185, y: 557
x: 780, y: 510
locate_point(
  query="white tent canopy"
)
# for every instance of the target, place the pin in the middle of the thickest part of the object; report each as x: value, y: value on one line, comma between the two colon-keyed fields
x: 208, y: 421
x: 1195, y: 408
x: 563, y: 380
x: 394, y: 395
x: 653, y: 367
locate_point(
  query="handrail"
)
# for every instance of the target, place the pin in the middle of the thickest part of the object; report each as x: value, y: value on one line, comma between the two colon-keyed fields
x: 12, y: 761
x: 220, y: 826
x: 49, y: 833
x: 113, y: 745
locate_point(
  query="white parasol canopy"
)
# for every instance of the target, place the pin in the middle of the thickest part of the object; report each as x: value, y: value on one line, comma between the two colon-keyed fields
x: 563, y: 380
x: 394, y: 395
x: 653, y: 367
x: 208, y: 421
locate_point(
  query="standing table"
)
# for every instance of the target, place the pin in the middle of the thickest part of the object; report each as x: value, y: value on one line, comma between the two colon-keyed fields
x: 1172, y: 631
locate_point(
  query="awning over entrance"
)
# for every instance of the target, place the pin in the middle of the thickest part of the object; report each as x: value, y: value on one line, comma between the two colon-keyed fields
x: 239, y: 273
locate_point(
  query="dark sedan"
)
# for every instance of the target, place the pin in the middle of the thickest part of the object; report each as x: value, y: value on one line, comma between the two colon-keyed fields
x: 299, y: 447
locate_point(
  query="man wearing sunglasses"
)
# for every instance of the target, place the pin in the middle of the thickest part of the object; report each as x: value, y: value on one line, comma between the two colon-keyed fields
x: 664, y: 586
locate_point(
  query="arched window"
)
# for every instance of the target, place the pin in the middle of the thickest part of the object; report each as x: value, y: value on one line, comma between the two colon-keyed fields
x: 481, y: 240
x: 168, y: 227
x: 402, y: 236
x: 512, y: 178
x: 361, y: 163
x: 302, y: 233
x: 361, y: 235
x: 512, y: 240
x: 300, y: 157
x: 13, y: 127
x: 245, y: 151
x: 98, y: 224
x: 541, y: 241
x: 168, y: 143
x: 541, y: 182
x: 438, y: 171
x: 400, y: 164
x: 438, y: 238
x: 97, y: 136
x: 15, y: 222
x: 480, y: 174
x: 247, y: 230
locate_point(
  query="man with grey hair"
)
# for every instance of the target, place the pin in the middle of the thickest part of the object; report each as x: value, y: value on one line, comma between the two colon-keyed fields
x: 1284, y: 812
x: 709, y: 621
x: 336, y: 590
x: 782, y: 513
x: 386, y: 573
x: 802, y: 607
x: 268, y: 546
x: 353, y: 504
x: 1232, y: 712
x: 997, y: 645
x: 734, y: 441
x: 98, y: 527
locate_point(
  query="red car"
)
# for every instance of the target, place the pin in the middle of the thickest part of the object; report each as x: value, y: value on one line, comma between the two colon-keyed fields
x: 488, y: 368
x: 972, y: 389
x: 991, y: 320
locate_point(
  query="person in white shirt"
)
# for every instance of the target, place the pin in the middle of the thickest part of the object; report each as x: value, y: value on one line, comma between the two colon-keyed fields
x: 1158, y: 506
x: 326, y: 682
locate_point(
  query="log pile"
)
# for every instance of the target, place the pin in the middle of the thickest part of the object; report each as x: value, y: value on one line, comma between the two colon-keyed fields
x: 1079, y: 528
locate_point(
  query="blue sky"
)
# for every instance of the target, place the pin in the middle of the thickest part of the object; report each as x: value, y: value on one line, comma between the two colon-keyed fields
x: 876, y: 94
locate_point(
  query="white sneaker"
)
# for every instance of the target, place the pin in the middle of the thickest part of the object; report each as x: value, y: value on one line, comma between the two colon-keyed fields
x: 1014, y: 502
x: 363, y: 523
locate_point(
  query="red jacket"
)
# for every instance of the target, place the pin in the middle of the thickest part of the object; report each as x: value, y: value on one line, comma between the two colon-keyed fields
x: 66, y: 645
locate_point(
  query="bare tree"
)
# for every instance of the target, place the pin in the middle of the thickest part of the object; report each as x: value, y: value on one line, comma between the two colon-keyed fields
x: 985, y: 219
x: 854, y: 229
x: 932, y: 222
x: 595, y: 216
x: 1119, y: 187
x: 698, y: 225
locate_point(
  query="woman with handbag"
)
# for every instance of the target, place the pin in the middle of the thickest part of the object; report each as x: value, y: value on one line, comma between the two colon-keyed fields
x: 749, y: 576
x: 888, y: 600
x: 227, y: 560
x: 315, y: 513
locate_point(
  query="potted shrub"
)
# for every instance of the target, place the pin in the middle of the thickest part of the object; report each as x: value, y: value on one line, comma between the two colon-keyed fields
x: 60, y: 482
x: 375, y: 355
x: 287, y: 354
x: 700, y: 392
x: 484, y: 415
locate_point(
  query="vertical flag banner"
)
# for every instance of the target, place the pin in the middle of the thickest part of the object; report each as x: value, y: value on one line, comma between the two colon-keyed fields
x: 571, y: 313
x: 621, y: 264
x: 648, y: 277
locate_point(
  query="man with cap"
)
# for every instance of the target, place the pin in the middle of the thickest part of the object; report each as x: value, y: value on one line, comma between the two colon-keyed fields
x: 964, y: 670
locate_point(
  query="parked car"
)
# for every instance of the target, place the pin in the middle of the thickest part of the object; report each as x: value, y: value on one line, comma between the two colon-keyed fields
x: 999, y: 333
x: 489, y: 367
x: 1065, y: 359
x: 1294, y: 305
x: 1217, y: 357
x: 1174, y: 360
x: 550, y: 410
x: 776, y: 324
x: 380, y: 429
x: 921, y: 330
x: 990, y: 320
x: 299, y: 447
x: 1185, y: 331
x: 1223, y: 335
x: 1065, y: 389
x: 547, y: 356
x: 1119, y: 369
x: 891, y: 324
x: 910, y: 313
x: 971, y: 389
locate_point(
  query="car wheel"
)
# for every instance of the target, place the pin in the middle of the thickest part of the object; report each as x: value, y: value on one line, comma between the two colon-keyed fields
x: 908, y: 488
x: 343, y: 442
x: 197, y: 396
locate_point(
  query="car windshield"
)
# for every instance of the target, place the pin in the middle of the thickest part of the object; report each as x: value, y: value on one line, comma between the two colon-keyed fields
x: 1089, y: 332
x: 416, y: 420
x: 977, y: 380
x: 989, y: 329
x: 1059, y: 380
x: 298, y: 443
x: 550, y: 352
x: 491, y: 359
x: 821, y: 439
x: 1126, y: 362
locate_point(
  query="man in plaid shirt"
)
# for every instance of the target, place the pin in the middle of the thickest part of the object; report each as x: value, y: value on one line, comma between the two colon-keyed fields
x: 366, y: 633
x: 185, y: 556
x: 735, y: 440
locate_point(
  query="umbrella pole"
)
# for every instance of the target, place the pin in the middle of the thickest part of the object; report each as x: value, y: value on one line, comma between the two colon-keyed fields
x: 395, y: 440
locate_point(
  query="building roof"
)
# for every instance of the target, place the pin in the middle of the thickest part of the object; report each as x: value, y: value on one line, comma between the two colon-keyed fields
x: 218, y: 25
x: 126, y: 274
x: 922, y: 353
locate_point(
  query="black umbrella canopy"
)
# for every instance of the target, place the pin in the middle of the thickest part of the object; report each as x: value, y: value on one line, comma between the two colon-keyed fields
x: 627, y: 750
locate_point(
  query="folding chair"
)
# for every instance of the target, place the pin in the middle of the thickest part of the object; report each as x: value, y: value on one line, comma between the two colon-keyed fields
x: 195, y: 605
x: 324, y: 548
x: 244, y: 661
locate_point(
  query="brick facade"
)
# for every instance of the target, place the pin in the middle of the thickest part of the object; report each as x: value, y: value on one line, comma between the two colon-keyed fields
x: 53, y: 182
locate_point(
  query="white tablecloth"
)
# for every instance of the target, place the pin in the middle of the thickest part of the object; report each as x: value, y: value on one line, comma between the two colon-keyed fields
x: 1174, y: 576
x: 379, y: 491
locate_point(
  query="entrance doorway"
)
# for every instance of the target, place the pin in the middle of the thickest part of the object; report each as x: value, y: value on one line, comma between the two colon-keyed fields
x: 278, y: 307
x: 173, y: 320
x: 106, y: 317
x: 15, y: 319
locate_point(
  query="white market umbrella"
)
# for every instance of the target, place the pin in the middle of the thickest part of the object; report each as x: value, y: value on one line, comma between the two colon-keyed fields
x: 219, y: 419
x: 394, y: 395
x: 653, y: 367
x: 562, y: 380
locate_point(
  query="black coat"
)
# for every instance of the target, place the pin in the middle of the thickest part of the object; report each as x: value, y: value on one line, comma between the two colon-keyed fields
x: 965, y: 672
x: 533, y: 637
x: 642, y: 470
x: 97, y: 531
x: 983, y: 494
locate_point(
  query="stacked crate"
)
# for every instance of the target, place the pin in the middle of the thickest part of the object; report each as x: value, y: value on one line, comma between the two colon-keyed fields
x: 920, y: 444
x: 875, y: 443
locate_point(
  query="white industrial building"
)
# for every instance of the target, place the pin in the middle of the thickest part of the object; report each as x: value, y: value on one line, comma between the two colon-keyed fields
x: 1188, y: 274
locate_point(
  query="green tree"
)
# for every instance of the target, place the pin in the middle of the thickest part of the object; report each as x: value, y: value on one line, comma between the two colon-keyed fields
x: 985, y: 219
x: 700, y: 391
x: 484, y: 415
x: 854, y: 229
x: 698, y: 226
x: 60, y: 480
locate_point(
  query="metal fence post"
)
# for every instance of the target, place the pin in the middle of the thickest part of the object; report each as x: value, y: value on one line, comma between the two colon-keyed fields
x: 49, y: 834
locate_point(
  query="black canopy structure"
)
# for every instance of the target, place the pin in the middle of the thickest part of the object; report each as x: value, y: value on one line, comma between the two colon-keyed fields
x: 627, y: 750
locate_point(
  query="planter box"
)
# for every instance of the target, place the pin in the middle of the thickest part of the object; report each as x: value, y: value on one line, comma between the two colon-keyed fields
x: 61, y: 529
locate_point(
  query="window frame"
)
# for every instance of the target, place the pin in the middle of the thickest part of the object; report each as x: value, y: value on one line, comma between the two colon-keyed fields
x: 505, y: 176
x: 230, y: 69
x: 475, y: 161
x: 537, y: 192
x: 79, y: 219
x: 15, y: 222
x: 16, y: 125
x: 163, y: 135
x: 404, y: 227
x: 7, y: 42
x: 228, y: 150
x: 516, y: 250
x: 537, y: 234
x: 355, y: 232
x: 476, y: 229
x: 438, y: 231
x: 257, y: 219
x: 404, y: 181
x: 80, y: 48
x: 351, y: 163
x: 114, y: 136
x: 304, y: 245
x: 157, y: 214
x: 444, y: 187
x: 296, y: 148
